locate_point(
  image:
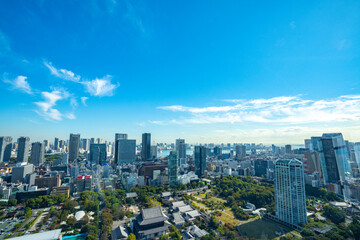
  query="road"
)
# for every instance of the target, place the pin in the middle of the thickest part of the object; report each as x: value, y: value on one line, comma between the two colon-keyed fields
x: 34, y: 226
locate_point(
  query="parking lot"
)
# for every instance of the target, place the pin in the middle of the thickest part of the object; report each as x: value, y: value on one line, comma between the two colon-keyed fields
x: 7, y: 225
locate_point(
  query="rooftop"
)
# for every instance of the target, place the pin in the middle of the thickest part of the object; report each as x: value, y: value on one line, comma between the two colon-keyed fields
x: 151, y: 215
x: 49, y: 235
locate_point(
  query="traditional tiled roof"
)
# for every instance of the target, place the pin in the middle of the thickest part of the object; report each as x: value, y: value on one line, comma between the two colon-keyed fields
x: 150, y: 216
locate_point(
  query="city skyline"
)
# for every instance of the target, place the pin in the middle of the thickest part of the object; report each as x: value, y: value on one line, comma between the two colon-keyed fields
x: 225, y: 73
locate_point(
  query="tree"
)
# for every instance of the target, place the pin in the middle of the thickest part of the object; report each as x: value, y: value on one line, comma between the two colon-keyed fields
x: 355, y: 229
x: 28, y: 212
x: 71, y: 221
x: 53, y: 211
x: 84, y: 220
x: 164, y: 237
x: 335, y: 215
x: 213, y: 223
x: 130, y: 201
x: 12, y: 202
x: 131, y: 236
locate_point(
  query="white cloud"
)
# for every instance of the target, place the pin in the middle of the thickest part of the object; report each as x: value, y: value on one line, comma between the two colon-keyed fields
x: 20, y: 83
x: 83, y: 100
x: 70, y: 116
x: 73, y: 102
x: 46, y: 107
x: 62, y: 73
x: 278, y: 110
x: 100, y: 86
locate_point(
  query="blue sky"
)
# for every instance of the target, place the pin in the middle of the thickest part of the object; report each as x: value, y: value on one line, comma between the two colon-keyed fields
x: 207, y: 71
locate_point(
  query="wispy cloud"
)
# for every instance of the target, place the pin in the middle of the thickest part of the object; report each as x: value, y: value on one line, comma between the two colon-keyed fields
x: 62, y: 73
x: 70, y: 116
x: 134, y: 18
x: 83, y: 100
x: 46, y: 108
x: 278, y: 110
x: 20, y: 83
x: 100, y: 86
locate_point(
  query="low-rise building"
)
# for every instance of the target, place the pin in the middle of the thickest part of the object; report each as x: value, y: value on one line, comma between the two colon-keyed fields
x: 151, y: 223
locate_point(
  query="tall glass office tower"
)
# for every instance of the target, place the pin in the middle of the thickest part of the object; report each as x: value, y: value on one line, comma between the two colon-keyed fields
x: 200, y: 160
x: 173, y: 164
x: 74, y: 145
x: 334, y: 158
x: 146, y: 146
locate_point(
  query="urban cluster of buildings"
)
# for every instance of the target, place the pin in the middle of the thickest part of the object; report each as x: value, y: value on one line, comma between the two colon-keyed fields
x: 72, y: 166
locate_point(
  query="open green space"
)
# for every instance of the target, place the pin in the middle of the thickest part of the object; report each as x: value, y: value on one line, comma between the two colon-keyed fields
x: 262, y: 229
x: 210, y: 198
x: 227, y: 216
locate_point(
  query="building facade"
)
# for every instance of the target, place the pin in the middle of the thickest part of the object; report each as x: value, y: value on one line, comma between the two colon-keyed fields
x: 126, y: 151
x: 290, y: 199
x: 173, y: 168
x: 74, y: 145
x: 23, y: 149
x: 240, y: 152
x: 200, y: 160
x: 118, y: 136
x: 5, y: 148
x: 37, y: 156
x: 146, y: 146
x: 180, y: 148
x: 98, y: 153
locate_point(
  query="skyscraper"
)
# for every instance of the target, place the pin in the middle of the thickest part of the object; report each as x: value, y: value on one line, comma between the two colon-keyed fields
x: 357, y: 152
x: 288, y: 149
x: 85, y: 144
x: 74, y: 145
x: 240, y: 151
x: 37, y: 153
x: 23, y: 149
x: 290, y: 199
x: 315, y: 144
x: 200, y: 160
x: 180, y: 148
x: 46, y: 143
x: 5, y: 148
x: 260, y: 166
x: 334, y: 158
x: 118, y: 136
x: 146, y: 144
x: 98, y: 153
x: 56, y: 144
x: 173, y: 168
x: 307, y: 143
x: 126, y: 151
x: 153, y: 152
x: 217, y: 151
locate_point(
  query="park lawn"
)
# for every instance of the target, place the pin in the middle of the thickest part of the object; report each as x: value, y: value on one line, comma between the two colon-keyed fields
x: 262, y: 229
x: 225, y: 218
x: 199, y: 205
x: 210, y: 199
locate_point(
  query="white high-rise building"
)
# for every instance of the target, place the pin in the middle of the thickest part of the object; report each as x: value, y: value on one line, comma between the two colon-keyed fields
x: 290, y: 199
